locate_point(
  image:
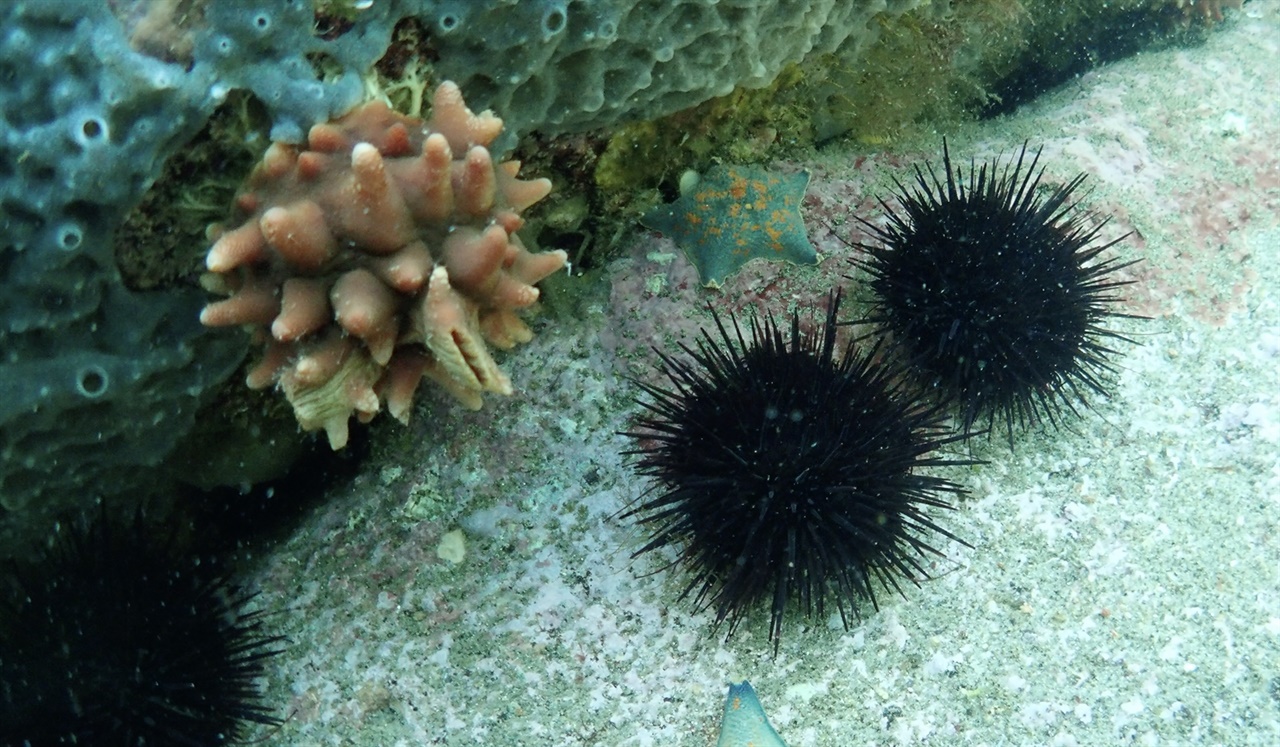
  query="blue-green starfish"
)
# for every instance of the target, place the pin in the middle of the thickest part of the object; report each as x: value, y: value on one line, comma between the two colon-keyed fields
x: 744, y: 723
x: 735, y: 214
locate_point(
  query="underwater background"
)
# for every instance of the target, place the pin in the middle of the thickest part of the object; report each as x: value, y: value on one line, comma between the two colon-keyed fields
x: 1124, y: 581
x: 467, y: 578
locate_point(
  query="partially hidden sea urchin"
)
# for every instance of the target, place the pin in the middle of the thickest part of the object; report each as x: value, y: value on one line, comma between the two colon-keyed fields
x: 117, y: 639
x: 997, y: 296
x: 784, y: 472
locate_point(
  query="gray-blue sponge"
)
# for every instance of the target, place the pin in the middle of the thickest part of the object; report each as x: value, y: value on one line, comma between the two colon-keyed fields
x: 97, y: 381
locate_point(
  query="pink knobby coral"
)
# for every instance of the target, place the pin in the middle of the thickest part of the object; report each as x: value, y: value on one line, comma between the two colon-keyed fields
x: 382, y: 252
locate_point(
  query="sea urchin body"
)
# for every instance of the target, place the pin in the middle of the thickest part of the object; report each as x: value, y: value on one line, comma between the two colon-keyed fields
x: 787, y: 472
x: 117, y: 639
x: 996, y: 297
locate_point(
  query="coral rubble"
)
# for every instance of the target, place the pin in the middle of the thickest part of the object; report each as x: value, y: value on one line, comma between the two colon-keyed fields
x: 382, y: 251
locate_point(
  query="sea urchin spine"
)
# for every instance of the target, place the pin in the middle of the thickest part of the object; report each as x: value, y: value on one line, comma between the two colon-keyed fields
x: 115, y: 638
x: 996, y: 297
x: 785, y: 472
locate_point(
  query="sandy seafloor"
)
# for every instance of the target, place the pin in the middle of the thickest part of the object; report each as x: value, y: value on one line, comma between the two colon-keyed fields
x: 1124, y: 581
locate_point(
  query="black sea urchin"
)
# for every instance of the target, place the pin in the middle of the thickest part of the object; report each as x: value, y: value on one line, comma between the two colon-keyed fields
x: 117, y: 639
x: 996, y: 297
x: 785, y: 472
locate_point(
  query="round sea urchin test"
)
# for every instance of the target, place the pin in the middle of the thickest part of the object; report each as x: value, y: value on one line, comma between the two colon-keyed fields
x: 114, y: 638
x: 996, y: 296
x: 784, y: 471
